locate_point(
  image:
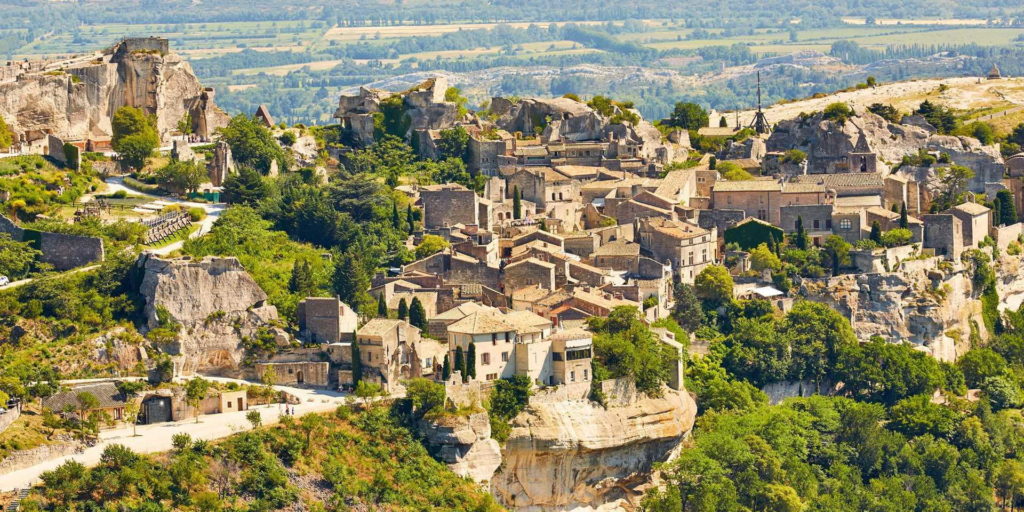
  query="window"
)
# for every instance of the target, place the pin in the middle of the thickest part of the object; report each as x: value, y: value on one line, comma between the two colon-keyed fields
x: 504, y: 357
x: 485, y: 358
x: 507, y: 337
x: 494, y: 338
x: 572, y: 376
x: 816, y: 224
x: 492, y: 376
x: 828, y: 223
x: 556, y: 356
x: 572, y: 355
x: 845, y: 224
x: 585, y: 376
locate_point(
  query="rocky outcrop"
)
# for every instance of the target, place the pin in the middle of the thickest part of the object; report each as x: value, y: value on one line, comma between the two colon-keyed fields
x: 932, y: 308
x: 833, y: 147
x: 464, y: 443
x: 214, y: 302
x: 424, y: 105
x: 76, y: 100
x: 563, y: 455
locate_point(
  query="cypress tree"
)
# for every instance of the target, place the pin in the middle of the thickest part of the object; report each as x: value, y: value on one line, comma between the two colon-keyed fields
x: 357, y: 362
x: 460, y: 363
x: 517, y: 203
x: 403, y: 309
x: 417, y: 314
x: 997, y: 212
x: 446, y: 369
x: 396, y: 221
x: 301, y: 281
x: 382, y: 307
x: 801, y: 234
x: 1007, y: 207
x: 876, y: 233
x: 471, y: 362
x: 904, y: 220
x: 410, y: 218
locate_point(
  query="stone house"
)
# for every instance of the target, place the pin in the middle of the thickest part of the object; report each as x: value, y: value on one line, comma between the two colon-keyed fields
x: 762, y: 198
x: 572, y: 351
x: 944, y: 233
x: 543, y: 185
x: 816, y: 219
x: 110, y: 400
x: 616, y: 255
x: 299, y: 373
x: 527, y: 273
x: 888, y: 220
x: 326, y: 320
x: 976, y: 221
x: 393, y: 350
x: 448, y: 205
x: 494, y: 342
x: 687, y: 246
x: 437, y: 326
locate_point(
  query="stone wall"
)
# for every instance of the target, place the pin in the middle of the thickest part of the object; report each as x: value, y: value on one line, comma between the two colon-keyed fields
x: 315, y: 374
x: 448, y: 207
x: 1003, y: 235
x: 62, y: 251
x: 8, y: 417
x: 28, y: 458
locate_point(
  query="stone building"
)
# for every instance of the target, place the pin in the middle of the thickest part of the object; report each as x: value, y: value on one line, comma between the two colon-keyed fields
x: 326, y: 320
x: 222, y: 164
x: 975, y: 220
x: 763, y: 198
x: 449, y: 204
x: 393, y: 350
x: 544, y: 185
x: 529, y: 272
x: 301, y: 373
x: 688, y: 247
x: 944, y: 233
x: 517, y: 343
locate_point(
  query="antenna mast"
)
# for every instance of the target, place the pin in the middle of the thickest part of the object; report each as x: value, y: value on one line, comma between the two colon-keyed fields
x: 760, y: 122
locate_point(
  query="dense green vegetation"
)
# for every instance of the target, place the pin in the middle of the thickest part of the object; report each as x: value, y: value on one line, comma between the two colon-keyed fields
x: 355, y: 459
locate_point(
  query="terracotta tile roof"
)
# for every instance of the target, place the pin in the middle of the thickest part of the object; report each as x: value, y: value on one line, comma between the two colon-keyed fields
x: 579, y: 171
x: 803, y: 188
x: 971, y: 208
x: 530, y: 293
x: 882, y: 212
x: 676, y: 229
x: 379, y: 327
x: 533, y: 261
x: 574, y: 333
x: 462, y: 311
x: 843, y: 180
x: 527, y: 321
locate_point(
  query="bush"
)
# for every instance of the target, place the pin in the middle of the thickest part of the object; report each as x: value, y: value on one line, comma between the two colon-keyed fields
x: 196, y: 214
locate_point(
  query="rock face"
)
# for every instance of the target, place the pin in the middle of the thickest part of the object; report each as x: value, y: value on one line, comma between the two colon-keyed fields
x: 424, y: 105
x: 832, y: 147
x: 77, y: 100
x: 464, y: 444
x: 215, y: 302
x: 931, y: 308
x: 569, y: 454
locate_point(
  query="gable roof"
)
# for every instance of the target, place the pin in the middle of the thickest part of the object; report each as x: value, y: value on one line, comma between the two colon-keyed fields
x: 106, y: 394
x: 379, y: 327
x: 481, y: 322
x: 747, y: 186
x: 971, y: 209
x: 263, y: 113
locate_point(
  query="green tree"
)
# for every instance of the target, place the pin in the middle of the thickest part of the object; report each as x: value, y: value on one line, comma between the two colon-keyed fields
x: 979, y: 364
x: 417, y: 314
x: 195, y: 392
x: 887, y: 112
x: 134, y: 136
x: 185, y: 124
x: 382, y: 307
x: 471, y: 361
x: 16, y: 258
x: 446, y: 369
x: 517, y: 203
x: 688, y: 116
x: 838, y: 112
x: 714, y: 285
x: 762, y: 258
x: 876, y: 232
x: 1007, y: 213
x: 722, y: 123
x: 800, y: 240
x: 180, y: 176
x: 942, y: 118
x: 6, y: 135
x: 452, y: 143
x: 1017, y: 135
x: 254, y: 418
x: 287, y: 139
x: 733, y: 172
x: 302, y: 282
x: 403, y: 309
x: 838, y: 251
x: 357, y: 362
x: 351, y: 283
x: 86, y: 402
x: 686, y: 311
x: 431, y: 244
x: 246, y: 187
x: 252, y: 144
x: 904, y: 218
x: 460, y: 363
x: 953, y: 181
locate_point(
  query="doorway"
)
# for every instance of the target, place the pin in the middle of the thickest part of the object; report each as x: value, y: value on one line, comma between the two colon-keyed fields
x: 298, y: 377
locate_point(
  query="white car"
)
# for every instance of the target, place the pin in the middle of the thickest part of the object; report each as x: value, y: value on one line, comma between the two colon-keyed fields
x: 4, y: 281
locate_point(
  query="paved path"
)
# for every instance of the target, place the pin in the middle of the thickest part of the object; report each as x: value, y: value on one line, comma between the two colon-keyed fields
x: 157, y: 438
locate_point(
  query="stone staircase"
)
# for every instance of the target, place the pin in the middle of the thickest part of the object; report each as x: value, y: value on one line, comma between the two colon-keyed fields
x: 16, y: 504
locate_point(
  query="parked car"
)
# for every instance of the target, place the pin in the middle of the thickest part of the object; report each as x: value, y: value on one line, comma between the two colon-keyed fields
x: 4, y: 281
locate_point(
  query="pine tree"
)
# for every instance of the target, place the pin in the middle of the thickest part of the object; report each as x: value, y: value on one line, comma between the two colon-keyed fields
x: 1007, y: 206
x: 382, y: 307
x: 471, y: 361
x: 403, y: 309
x: 396, y: 221
x: 801, y: 235
x: 350, y: 283
x: 904, y: 220
x: 446, y: 369
x: 517, y: 203
x: 876, y: 233
x: 417, y: 315
x: 301, y: 282
x: 410, y: 219
x: 460, y: 363
x: 357, y: 362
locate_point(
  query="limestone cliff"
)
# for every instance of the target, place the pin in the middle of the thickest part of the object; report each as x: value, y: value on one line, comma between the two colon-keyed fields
x: 464, y: 443
x: 829, y: 145
x: 215, y: 302
x: 930, y: 305
x: 569, y: 454
x: 76, y: 99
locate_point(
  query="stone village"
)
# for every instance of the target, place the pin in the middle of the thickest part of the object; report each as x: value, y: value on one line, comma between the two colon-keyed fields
x: 582, y: 212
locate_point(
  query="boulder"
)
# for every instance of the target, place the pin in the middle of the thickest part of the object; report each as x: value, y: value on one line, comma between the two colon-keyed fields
x: 215, y: 302
x: 464, y: 443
